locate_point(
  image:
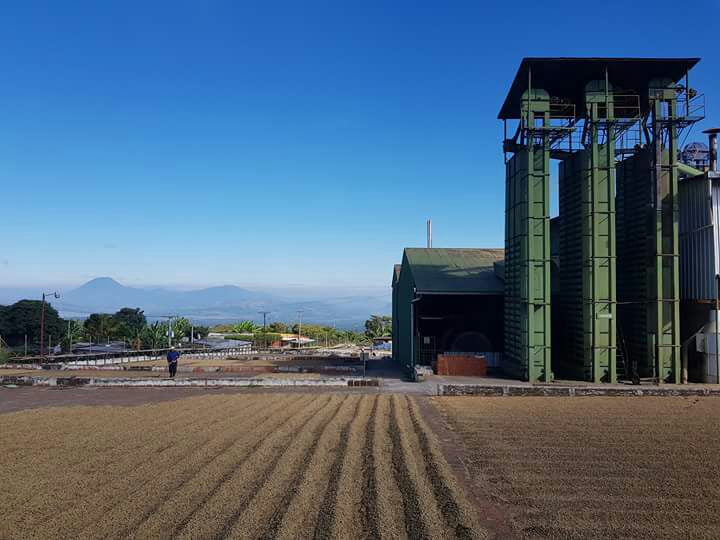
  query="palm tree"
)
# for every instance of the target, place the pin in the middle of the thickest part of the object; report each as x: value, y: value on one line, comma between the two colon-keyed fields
x: 246, y: 327
x: 378, y: 326
x: 75, y: 333
x: 154, y: 334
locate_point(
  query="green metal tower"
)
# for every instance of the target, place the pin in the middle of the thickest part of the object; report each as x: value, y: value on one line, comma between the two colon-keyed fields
x: 610, y: 122
x: 650, y: 252
x: 664, y: 310
x: 588, y: 244
x: 527, y: 243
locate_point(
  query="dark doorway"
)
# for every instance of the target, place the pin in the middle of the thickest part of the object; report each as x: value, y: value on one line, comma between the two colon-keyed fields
x: 458, y: 323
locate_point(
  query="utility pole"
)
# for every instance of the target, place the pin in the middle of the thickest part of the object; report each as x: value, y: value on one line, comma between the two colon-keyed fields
x: 300, y: 312
x: 170, y: 333
x: 42, y: 323
x: 264, y: 314
x: 169, y: 328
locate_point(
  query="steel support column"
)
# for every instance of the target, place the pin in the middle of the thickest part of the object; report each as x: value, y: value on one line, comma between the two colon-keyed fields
x: 664, y: 306
x: 527, y: 279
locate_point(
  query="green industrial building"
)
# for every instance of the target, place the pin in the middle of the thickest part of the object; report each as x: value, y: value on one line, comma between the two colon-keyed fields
x: 595, y: 296
x: 613, y: 125
x: 446, y: 300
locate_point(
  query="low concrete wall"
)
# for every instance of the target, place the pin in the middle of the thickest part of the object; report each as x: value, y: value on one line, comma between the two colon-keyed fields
x: 353, y: 370
x: 125, y: 357
x: 565, y: 391
x: 118, y: 381
x: 148, y: 356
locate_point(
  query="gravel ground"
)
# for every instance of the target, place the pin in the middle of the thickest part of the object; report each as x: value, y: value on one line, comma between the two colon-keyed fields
x: 595, y: 467
x: 296, y: 465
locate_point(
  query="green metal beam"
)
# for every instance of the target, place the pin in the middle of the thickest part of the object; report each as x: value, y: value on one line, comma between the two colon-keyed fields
x: 664, y: 308
x: 588, y: 292
x: 527, y: 278
x: 599, y: 251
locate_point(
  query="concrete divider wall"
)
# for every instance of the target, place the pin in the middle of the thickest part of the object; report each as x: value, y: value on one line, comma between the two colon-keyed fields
x: 138, y: 382
x: 570, y: 391
x: 159, y: 355
x: 240, y: 368
x: 125, y: 357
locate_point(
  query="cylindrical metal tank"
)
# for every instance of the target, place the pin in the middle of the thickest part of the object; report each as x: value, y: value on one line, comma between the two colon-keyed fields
x: 707, y: 343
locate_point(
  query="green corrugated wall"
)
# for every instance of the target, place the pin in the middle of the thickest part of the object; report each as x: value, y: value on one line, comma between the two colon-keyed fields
x: 648, y: 283
x: 395, y: 345
x: 527, y: 265
x: 402, y: 297
x: 588, y: 344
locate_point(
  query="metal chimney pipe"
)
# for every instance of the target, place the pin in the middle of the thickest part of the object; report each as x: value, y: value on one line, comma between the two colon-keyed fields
x: 712, y: 136
x: 429, y: 233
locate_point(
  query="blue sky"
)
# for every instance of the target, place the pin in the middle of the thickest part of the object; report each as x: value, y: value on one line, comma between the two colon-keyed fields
x: 276, y: 143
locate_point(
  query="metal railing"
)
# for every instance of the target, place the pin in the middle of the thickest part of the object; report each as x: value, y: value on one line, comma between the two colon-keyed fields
x: 122, y: 357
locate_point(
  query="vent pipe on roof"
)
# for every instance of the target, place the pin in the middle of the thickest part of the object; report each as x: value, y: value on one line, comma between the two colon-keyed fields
x: 429, y: 233
x: 713, y: 155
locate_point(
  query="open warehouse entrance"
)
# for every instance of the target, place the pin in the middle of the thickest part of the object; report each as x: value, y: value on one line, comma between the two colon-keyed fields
x: 447, y: 301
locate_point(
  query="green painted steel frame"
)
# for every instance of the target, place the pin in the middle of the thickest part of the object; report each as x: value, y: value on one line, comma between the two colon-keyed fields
x: 648, y: 192
x: 599, y: 247
x: 664, y: 303
x: 527, y: 244
x: 588, y: 297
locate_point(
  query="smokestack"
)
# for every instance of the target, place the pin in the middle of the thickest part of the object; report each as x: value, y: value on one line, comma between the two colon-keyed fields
x: 429, y: 233
x: 712, y: 135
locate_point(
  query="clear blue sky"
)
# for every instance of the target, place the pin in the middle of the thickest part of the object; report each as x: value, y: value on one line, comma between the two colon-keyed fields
x: 277, y: 142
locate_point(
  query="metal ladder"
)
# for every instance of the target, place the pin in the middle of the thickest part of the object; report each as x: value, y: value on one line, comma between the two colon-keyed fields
x: 621, y: 360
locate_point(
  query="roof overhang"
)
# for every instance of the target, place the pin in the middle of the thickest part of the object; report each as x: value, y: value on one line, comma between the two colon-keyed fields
x: 564, y: 77
x: 459, y: 293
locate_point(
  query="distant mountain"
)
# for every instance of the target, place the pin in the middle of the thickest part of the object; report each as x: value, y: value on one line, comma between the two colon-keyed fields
x: 107, y: 295
x: 224, y: 295
x: 221, y: 304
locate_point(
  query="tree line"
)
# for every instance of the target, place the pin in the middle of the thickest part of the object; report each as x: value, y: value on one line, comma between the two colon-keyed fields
x: 376, y: 326
x: 130, y: 325
x: 22, y: 319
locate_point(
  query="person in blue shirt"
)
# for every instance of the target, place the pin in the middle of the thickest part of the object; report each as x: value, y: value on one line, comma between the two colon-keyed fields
x: 172, y: 359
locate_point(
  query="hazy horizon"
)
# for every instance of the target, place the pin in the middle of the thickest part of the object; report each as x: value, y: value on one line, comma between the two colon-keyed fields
x: 50, y: 286
x: 341, y: 306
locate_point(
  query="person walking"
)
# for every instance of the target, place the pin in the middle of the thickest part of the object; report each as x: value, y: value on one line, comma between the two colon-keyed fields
x: 172, y: 359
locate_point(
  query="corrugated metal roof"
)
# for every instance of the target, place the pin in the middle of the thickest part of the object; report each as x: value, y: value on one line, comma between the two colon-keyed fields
x: 455, y: 270
x: 566, y: 77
